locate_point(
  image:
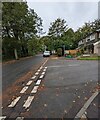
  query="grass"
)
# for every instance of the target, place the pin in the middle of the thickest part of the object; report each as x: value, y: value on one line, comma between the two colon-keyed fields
x: 89, y: 58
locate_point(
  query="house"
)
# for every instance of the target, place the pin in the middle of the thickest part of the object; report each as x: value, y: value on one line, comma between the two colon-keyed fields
x: 90, y: 43
x: 97, y: 48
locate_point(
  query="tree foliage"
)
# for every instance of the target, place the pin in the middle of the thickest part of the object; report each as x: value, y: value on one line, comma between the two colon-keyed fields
x: 57, y: 28
x: 19, y: 24
x: 22, y: 27
x: 85, y: 30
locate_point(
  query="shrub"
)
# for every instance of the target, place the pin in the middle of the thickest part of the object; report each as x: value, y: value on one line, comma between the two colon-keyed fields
x: 59, y: 52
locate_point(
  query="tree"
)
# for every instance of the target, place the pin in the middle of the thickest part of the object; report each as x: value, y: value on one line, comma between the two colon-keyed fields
x: 34, y: 45
x: 12, y: 20
x: 56, y: 30
x: 19, y: 25
x: 95, y: 25
x: 68, y: 38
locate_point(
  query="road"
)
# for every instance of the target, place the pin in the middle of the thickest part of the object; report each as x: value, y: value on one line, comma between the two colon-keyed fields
x: 58, y: 89
x: 11, y: 72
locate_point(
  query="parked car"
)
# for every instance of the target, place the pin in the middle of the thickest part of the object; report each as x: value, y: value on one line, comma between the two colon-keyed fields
x: 46, y: 54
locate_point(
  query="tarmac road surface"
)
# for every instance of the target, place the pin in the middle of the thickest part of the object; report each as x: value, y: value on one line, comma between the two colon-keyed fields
x: 58, y: 89
x: 11, y: 72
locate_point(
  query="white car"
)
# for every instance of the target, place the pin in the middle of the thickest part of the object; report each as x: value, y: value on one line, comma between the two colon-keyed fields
x: 46, y: 54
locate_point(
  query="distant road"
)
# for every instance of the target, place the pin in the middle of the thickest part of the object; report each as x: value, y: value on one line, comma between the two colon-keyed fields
x: 11, y: 72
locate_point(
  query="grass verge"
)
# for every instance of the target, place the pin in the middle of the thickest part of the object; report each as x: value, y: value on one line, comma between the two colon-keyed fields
x: 89, y: 58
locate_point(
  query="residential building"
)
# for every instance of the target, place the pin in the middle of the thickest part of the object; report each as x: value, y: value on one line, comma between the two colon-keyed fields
x: 90, y: 43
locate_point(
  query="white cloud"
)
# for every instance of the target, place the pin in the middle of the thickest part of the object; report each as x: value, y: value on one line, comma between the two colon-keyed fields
x: 75, y: 13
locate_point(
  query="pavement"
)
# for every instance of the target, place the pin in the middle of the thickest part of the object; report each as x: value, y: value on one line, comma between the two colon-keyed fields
x: 58, y: 89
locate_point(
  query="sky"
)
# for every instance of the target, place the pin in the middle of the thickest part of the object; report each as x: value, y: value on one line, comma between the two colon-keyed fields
x: 75, y: 13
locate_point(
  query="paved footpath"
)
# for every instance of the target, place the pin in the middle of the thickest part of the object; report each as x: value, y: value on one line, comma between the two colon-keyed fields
x: 59, y: 88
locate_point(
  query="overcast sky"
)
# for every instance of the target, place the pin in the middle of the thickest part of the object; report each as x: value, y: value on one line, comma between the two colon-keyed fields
x: 75, y: 13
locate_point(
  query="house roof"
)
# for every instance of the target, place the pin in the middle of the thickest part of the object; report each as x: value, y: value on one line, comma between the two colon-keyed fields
x: 96, y: 43
x: 98, y: 30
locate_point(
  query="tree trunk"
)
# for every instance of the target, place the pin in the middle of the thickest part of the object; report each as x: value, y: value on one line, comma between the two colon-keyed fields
x: 16, y: 55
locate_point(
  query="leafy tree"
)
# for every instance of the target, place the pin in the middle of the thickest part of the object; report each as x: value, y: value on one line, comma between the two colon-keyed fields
x: 34, y: 45
x: 57, y: 28
x: 68, y: 38
x: 19, y: 25
x: 95, y: 25
x: 12, y: 16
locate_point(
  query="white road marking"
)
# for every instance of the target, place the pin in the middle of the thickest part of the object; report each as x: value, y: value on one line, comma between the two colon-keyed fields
x: 38, y: 82
x: 2, y: 118
x: 29, y: 82
x: 36, y: 73
x: 45, y: 62
x: 43, y: 73
x: 86, y: 105
x: 13, y: 103
x: 55, y: 66
x: 19, y: 118
x: 71, y: 65
x: 41, y: 76
x: 45, y: 67
x: 24, y: 89
x: 39, y: 70
x: 44, y: 70
x: 41, y: 67
x: 84, y: 116
x: 33, y: 77
x: 28, y: 102
x: 35, y: 89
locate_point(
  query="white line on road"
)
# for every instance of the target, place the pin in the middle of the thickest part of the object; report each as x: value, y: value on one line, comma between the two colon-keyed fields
x: 35, y: 89
x: 44, y: 70
x: 72, y: 65
x: 38, y: 82
x: 43, y: 73
x: 2, y: 118
x: 13, y: 103
x: 33, y: 77
x: 45, y: 67
x: 84, y: 116
x: 28, y: 102
x: 24, y: 89
x: 19, y: 118
x: 36, y: 73
x: 39, y: 70
x: 54, y: 66
x: 41, y: 76
x: 45, y: 62
x: 29, y: 82
x: 86, y: 105
x: 41, y: 67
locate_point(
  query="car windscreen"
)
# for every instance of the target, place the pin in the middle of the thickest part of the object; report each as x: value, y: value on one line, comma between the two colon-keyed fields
x: 47, y: 52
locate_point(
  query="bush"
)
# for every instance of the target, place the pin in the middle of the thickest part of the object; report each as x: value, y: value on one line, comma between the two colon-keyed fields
x: 59, y: 52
